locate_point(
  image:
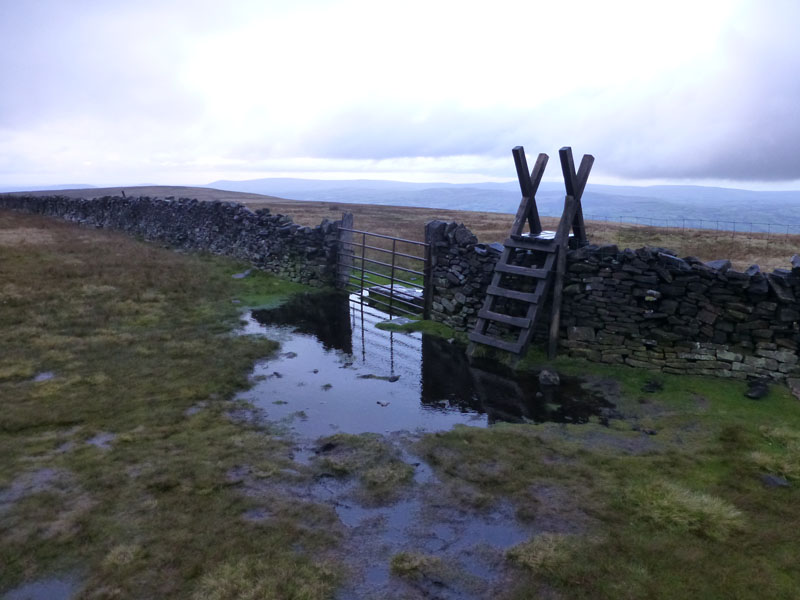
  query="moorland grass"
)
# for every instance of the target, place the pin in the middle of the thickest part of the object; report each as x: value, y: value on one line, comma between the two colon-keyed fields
x: 678, y: 512
x: 135, y: 336
x: 667, y: 501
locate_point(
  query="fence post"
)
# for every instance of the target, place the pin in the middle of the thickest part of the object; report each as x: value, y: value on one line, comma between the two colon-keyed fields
x: 345, y: 251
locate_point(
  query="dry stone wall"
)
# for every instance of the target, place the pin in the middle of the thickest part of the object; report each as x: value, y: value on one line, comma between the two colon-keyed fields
x: 270, y: 242
x: 644, y: 308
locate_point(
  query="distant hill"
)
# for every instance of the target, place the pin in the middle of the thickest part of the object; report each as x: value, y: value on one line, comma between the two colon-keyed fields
x: 663, y: 205
x: 159, y: 191
x: 24, y: 188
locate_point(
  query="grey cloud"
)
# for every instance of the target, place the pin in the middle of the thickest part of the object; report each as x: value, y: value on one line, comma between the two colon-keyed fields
x: 736, y: 116
x: 69, y: 60
x: 115, y: 66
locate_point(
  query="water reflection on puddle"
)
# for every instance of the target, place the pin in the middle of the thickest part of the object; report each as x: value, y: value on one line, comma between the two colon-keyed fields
x: 337, y: 372
x: 57, y: 588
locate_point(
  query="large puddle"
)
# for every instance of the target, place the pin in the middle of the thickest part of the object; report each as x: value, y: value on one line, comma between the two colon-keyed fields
x: 338, y: 372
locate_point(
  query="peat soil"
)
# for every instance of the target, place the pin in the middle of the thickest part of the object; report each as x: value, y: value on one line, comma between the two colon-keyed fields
x: 337, y: 373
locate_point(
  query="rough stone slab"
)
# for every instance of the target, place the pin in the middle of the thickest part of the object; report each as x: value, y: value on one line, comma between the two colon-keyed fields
x: 640, y: 363
x: 729, y: 356
x: 778, y: 285
x: 779, y: 355
x: 584, y: 334
x: 752, y: 270
x: 719, y: 265
x: 760, y: 362
x: 695, y: 356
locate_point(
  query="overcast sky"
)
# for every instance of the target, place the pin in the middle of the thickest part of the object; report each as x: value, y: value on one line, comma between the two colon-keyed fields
x: 186, y: 92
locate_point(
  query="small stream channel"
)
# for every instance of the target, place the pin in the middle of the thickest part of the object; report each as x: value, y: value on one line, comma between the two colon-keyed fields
x: 336, y: 372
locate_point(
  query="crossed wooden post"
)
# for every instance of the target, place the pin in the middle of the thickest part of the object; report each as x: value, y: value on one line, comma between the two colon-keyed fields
x: 528, y: 184
x: 574, y: 183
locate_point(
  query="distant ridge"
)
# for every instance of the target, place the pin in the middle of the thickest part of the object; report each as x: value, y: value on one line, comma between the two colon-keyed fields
x: 662, y: 205
x: 665, y: 205
x: 25, y: 188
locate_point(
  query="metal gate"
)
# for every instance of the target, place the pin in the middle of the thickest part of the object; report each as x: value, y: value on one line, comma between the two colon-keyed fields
x: 390, y: 272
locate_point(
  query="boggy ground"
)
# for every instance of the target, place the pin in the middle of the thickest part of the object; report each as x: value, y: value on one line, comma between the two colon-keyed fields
x: 125, y: 473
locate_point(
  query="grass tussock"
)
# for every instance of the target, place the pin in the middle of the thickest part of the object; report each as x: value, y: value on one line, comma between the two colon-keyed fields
x: 265, y: 578
x: 543, y: 553
x: 668, y: 504
x: 782, y: 454
x: 415, y: 565
x: 377, y: 464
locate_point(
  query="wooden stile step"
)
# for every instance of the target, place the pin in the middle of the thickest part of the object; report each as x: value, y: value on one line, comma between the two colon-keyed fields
x: 481, y: 338
x: 524, y: 271
x: 527, y: 243
x: 522, y: 322
x: 532, y: 298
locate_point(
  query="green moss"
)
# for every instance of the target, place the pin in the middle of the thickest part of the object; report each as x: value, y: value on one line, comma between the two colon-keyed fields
x: 260, y: 289
x: 423, y: 326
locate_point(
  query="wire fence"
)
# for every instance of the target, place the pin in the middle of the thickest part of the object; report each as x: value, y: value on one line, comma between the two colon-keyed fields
x: 718, y: 225
x: 770, y: 245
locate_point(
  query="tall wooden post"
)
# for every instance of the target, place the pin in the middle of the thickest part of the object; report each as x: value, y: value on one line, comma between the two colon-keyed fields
x: 575, y: 183
x: 528, y: 185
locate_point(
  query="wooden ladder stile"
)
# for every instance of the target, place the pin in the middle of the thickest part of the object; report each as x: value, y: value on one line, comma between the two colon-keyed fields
x: 545, y: 250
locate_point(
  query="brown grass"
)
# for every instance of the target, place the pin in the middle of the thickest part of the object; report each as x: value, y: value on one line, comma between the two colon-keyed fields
x: 25, y: 235
x: 769, y: 251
